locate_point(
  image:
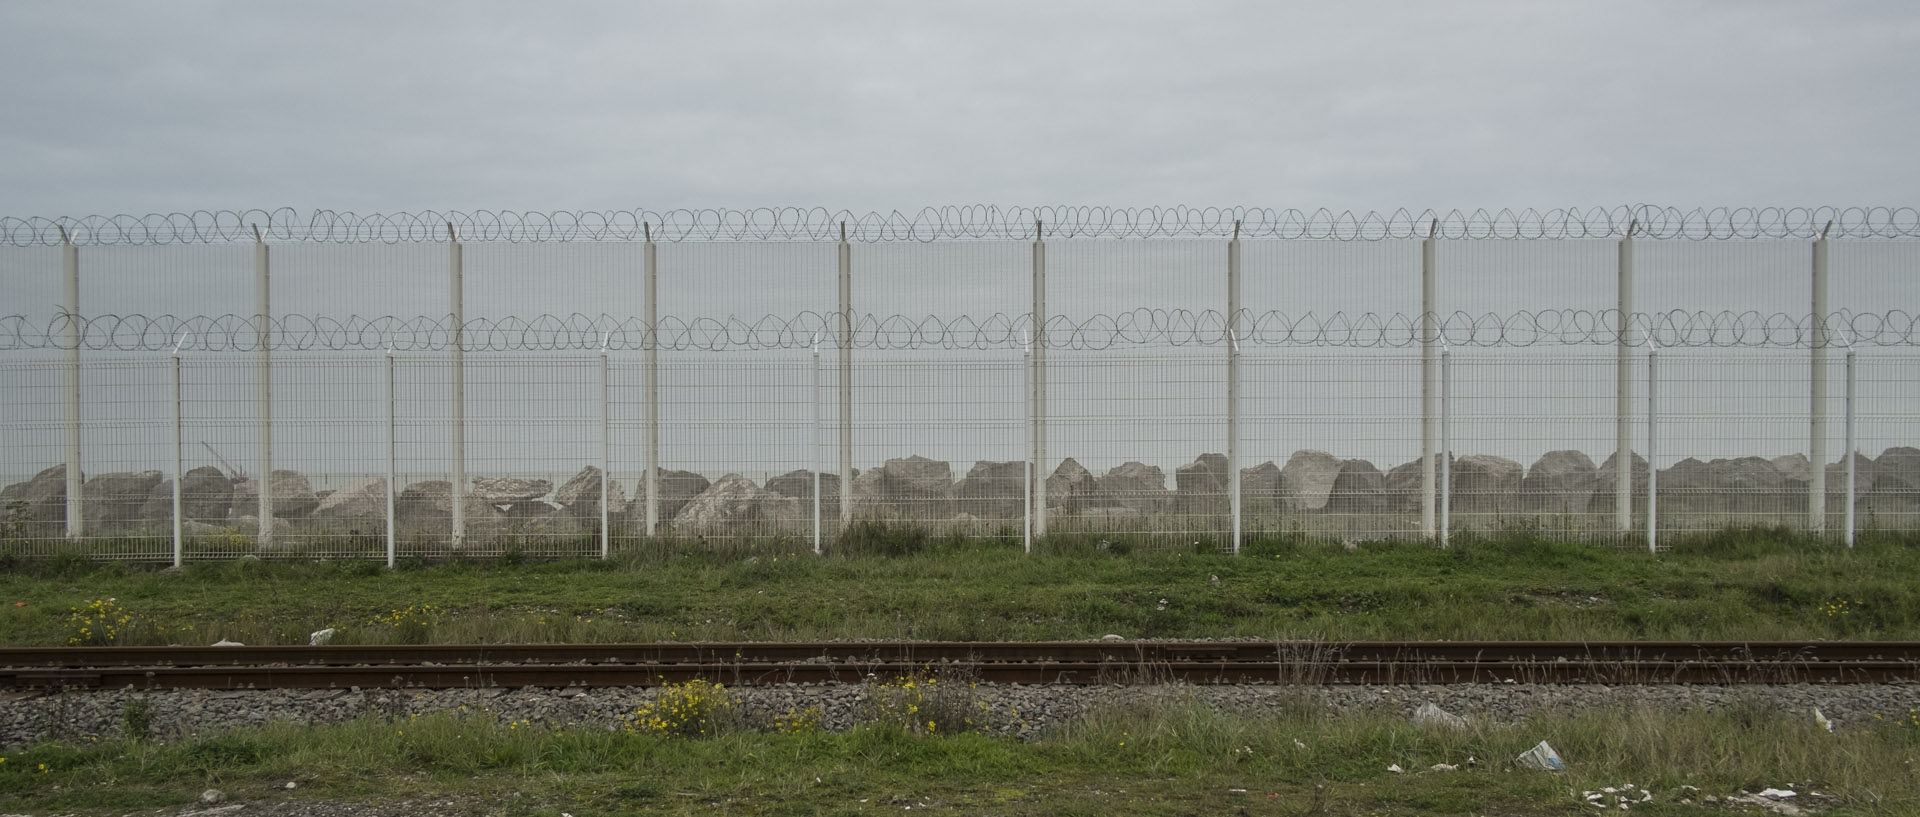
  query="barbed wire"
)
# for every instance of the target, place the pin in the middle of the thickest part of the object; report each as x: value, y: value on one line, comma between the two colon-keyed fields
x: 959, y: 222
x: 1139, y: 328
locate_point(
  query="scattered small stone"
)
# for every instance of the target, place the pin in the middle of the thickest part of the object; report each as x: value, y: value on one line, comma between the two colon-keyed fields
x: 1443, y: 767
x: 1112, y: 637
x: 290, y: 786
x: 212, y: 797
x: 225, y: 643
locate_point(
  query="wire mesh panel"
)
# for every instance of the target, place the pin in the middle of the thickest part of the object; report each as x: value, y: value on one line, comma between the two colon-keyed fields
x: 1732, y: 428
x: 33, y: 427
x: 1336, y: 441
x: 1136, y: 438
x: 1887, y: 470
x: 736, y: 436
x: 1534, y: 440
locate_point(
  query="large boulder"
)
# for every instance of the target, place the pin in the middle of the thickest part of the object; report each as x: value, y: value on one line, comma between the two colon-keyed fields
x: 293, y: 496
x: 677, y: 488
x: 1200, y: 487
x: 1604, y: 479
x: 508, y: 490
x: 799, y: 485
x: 358, y: 507
x: 1559, y: 482
x: 1259, y: 489
x: 1896, y: 486
x: 1138, y: 486
x: 1306, y: 483
x: 42, y: 500
x: 1071, y: 489
x: 1400, y: 488
x: 426, y: 509
x: 114, y: 501
x: 735, y: 505
x: 1865, y: 471
x: 1743, y: 490
x: 913, y: 487
x: 993, y: 490
x: 1483, y: 483
x: 1359, y: 489
x: 579, y: 497
x: 205, y: 494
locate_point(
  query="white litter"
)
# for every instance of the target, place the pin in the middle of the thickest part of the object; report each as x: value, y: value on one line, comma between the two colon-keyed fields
x: 1778, y: 794
x: 1541, y: 757
x: 1395, y: 768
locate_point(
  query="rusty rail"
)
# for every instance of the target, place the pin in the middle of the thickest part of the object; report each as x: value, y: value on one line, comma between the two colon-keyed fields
x: 1097, y: 662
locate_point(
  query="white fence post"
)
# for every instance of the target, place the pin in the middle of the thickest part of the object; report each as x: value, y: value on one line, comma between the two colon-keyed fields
x: 1817, y: 390
x: 1038, y: 480
x: 457, y: 301
x: 650, y: 258
x: 1653, y: 447
x: 1446, y: 443
x: 179, y: 457
x: 263, y: 376
x: 393, y: 446
x: 70, y: 273
x: 1429, y: 330
x: 606, y: 455
x: 846, y: 380
x: 1852, y: 442
x: 1026, y: 406
x: 1233, y: 384
x: 813, y: 451
x: 1623, y: 395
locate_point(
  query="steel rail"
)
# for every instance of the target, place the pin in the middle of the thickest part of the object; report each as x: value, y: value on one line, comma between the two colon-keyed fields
x: 1101, y: 662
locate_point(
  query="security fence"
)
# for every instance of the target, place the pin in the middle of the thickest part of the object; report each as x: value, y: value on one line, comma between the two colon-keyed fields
x: 575, y: 384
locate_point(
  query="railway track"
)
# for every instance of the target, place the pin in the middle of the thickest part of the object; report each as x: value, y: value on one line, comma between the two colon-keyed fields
x: 1076, y: 662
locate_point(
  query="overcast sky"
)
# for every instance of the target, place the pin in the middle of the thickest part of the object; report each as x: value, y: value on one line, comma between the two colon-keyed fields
x: 137, y: 107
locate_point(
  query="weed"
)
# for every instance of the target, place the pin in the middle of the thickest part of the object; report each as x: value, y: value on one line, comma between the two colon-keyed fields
x: 696, y: 708
x: 97, y: 624
x: 136, y: 719
x: 927, y: 705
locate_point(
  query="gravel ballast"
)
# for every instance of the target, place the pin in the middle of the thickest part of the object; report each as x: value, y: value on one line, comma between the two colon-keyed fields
x: 1018, y: 710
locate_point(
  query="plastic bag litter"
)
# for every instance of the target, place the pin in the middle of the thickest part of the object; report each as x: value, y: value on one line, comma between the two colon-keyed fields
x: 1541, y: 757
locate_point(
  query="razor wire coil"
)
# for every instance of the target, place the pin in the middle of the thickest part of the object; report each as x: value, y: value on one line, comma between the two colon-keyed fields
x: 959, y: 222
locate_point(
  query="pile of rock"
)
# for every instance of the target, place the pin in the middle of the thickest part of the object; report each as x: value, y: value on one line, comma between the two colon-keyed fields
x: 1698, y: 493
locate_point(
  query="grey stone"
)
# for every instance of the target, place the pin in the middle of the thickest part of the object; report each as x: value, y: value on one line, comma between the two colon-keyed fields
x: 1401, y: 488
x: 1306, y: 482
x: 1559, y: 482
x: 508, y: 490
x: 1073, y: 489
x: 114, y: 501
x: 993, y: 490
x: 677, y: 488
x: 731, y: 502
x: 1896, y: 485
x: 205, y: 494
x: 1138, y: 486
x: 360, y: 505
x: 1200, y: 487
x: 293, y: 496
x: 1260, y: 489
x: 44, y: 498
x: 1604, y: 479
x: 912, y: 487
x: 580, y: 496
x: 1486, y: 484
x: 426, y: 509
x: 1742, y: 490
x: 799, y: 485
x: 1359, y: 488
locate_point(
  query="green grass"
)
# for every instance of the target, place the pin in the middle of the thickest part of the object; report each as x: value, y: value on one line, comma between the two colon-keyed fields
x: 1180, y: 759
x: 1753, y: 584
